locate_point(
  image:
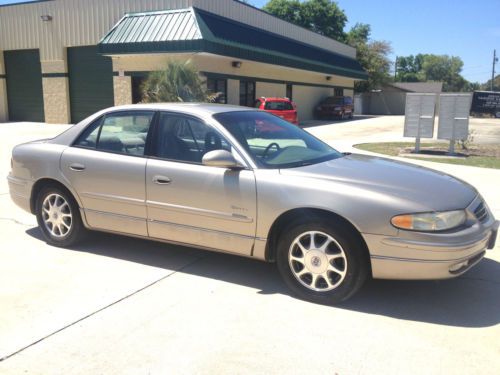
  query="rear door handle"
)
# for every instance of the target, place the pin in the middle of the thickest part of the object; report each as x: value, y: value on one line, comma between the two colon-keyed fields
x: 161, y: 180
x: 77, y: 167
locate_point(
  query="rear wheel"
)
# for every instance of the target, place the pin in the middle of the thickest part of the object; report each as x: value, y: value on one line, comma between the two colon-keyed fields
x: 322, y: 262
x: 58, y: 217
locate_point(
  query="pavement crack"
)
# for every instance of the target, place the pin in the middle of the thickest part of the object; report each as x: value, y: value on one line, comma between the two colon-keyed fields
x: 100, y: 310
x: 16, y: 221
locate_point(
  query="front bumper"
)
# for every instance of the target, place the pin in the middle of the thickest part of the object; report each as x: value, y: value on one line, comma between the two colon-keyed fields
x: 428, y: 256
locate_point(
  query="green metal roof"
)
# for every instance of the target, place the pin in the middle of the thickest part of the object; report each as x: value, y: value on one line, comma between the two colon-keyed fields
x: 194, y: 30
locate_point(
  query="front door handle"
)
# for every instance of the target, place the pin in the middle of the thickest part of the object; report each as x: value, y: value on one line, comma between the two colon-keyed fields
x: 161, y: 180
x: 77, y: 167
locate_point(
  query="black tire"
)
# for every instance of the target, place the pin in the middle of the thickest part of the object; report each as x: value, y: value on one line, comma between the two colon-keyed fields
x: 76, y: 232
x: 357, y: 261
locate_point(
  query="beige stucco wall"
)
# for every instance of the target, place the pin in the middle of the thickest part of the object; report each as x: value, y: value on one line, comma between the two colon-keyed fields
x: 55, y: 91
x: 205, y: 62
x: 307, y: 97
x: 123, y: 90
x: 267, y: 89
x: 3, y: 91
x: 56, y: 100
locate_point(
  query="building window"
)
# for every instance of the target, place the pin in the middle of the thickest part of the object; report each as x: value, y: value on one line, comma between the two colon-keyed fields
x: 219, y: 88
x: 247, y: 93
x: 338, y: 91
x: 289, y: 91
x: 137, y: 82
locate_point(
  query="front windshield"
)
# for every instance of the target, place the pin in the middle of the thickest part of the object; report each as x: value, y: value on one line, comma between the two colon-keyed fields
x: 273, y: 142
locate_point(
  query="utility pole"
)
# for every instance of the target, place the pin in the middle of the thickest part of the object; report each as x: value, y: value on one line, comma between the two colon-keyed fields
x: 396, y: 68
x: 495, y: 60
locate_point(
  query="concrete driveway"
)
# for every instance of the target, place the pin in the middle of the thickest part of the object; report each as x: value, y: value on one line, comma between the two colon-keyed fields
x: 128, y: 306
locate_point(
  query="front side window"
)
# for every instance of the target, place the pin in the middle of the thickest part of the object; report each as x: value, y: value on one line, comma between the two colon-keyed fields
x: 123, y: 132
x: 186, y: 139
x: 273, y: 142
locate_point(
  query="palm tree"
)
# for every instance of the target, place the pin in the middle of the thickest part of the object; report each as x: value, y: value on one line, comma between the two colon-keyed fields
x: 178, y: 82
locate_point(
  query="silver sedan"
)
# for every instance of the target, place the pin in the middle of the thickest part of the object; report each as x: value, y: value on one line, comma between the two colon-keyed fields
x: 245, y: 182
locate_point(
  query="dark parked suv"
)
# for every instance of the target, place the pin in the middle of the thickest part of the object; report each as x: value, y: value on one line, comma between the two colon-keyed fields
x: 335, y: 106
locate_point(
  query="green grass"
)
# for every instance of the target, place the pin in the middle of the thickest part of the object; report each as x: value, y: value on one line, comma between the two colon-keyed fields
x: 393, y: 149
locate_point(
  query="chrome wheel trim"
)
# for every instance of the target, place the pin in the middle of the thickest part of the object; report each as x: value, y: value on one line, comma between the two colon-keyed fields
x: 56, y: 215
x: 317, y: 261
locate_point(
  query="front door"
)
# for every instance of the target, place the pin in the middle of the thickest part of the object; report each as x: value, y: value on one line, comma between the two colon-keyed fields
x: 106, y: 167
x: 191, y: 203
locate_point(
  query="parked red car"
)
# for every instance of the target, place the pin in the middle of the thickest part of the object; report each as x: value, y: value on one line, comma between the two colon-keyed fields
x: 282, y: 107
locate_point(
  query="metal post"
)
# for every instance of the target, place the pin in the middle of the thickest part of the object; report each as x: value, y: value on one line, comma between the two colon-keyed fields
x: 495, y: 59
x: 417, y: 145
x: 395, y: 68
x: 451, y: 151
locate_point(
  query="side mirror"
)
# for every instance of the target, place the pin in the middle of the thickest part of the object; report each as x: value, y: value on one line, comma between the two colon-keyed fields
x: 221, y: 159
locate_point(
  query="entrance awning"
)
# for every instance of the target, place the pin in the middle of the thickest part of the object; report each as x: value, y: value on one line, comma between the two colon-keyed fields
x: 195, y: 30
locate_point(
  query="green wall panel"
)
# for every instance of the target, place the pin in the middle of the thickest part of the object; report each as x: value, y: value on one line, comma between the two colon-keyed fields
x: 24, y: 85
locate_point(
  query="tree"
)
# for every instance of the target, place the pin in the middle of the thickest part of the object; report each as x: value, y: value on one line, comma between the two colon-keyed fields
x: 429, y: 67
x: 321, y: 16
x: 372, y: 55
x: 487, y: 85
x: 408, y: 68
x: 446, y: 69
x: 178, y: 82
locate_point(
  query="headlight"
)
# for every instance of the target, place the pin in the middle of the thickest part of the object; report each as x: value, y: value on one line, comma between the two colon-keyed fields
x: 431, y: 221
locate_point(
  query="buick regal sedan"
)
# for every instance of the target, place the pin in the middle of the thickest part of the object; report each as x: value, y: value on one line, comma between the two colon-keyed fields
x: 208, y: 176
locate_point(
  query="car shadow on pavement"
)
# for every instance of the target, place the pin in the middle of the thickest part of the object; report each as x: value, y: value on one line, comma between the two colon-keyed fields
x: 468, y: 301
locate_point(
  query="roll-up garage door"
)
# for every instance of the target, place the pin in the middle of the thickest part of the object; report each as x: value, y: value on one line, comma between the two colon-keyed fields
x: 24, y: 85
x: 90, y: 82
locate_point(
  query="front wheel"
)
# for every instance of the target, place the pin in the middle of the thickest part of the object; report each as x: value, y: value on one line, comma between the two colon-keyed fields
x: 58, y: 217
x: 322, y: 262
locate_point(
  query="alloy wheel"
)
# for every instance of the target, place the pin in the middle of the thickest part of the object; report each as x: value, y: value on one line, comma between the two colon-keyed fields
x: 56, y: 214
x: 317, y: 261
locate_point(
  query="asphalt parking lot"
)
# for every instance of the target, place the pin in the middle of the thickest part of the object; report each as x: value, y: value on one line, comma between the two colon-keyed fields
x: 129, y: 306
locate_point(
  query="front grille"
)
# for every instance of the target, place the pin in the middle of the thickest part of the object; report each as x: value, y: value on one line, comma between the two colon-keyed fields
x: 481, y: 212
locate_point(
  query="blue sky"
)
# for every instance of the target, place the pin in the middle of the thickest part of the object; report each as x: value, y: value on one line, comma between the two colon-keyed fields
x: 465, y: 28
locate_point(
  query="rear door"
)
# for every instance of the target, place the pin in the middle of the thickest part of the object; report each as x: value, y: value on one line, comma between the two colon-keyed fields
x: 192, y: 203
x: 106, y: 167
x: 24, y: 85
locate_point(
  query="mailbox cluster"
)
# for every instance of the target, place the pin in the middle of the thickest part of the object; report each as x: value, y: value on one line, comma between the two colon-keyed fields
x: 453, y: 117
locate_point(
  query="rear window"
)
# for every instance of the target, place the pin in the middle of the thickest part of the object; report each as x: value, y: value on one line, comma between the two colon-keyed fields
x: 279, y: 106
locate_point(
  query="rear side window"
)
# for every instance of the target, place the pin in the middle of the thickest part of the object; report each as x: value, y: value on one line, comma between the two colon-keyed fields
x: 279, y: 106
x: 123, y: 133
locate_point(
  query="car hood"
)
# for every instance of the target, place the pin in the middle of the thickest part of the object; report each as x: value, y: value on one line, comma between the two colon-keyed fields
x: 429, y: 189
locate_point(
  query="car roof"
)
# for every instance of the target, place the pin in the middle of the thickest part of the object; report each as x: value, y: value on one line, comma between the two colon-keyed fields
x: 275, y: 99
x: 194, y: 108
